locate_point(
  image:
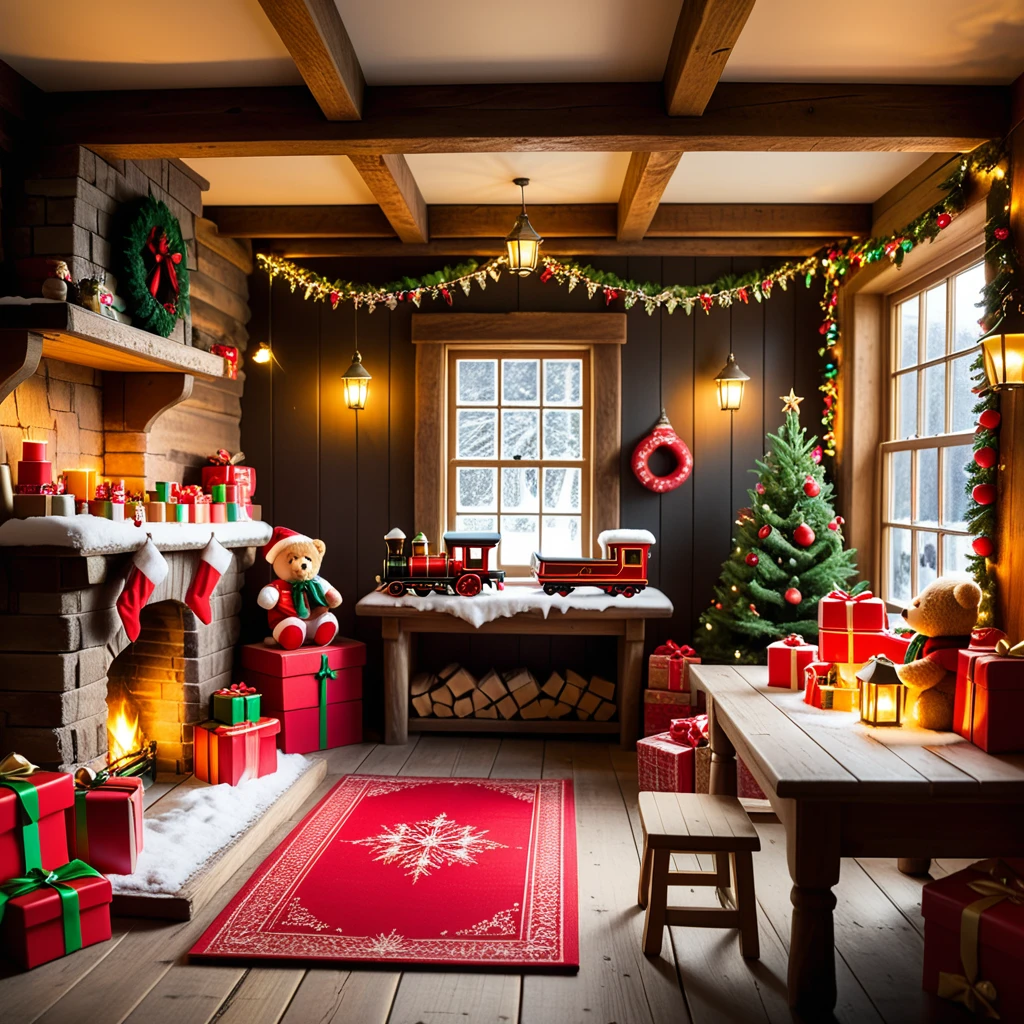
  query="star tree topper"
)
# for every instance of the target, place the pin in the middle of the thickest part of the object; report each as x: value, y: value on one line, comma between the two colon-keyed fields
x: 790, y: 402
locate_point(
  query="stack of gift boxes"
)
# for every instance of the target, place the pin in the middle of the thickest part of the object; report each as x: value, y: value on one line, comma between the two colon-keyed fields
x: 238, y: 743
x: 988, y: 708
x: 668, y: 695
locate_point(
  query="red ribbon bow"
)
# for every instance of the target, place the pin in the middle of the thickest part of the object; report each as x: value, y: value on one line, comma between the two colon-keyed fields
x: 690, y: 732
x: 842, y: 595
x: 162, y: 257
x: 986, y: 637
x: 192, y: 495
x: 236, y: 690
x: 793, y: 640
x: 674, y: 651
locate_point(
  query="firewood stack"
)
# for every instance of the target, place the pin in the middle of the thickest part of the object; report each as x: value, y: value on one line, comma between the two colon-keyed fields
x: 454, y: 693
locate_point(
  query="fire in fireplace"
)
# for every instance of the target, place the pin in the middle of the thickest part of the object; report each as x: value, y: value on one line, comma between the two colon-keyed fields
x: 129, y: 753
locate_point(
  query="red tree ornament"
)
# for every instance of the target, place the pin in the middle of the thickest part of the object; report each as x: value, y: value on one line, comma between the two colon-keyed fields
x: 793, y: 596
x: 752, y: 559
x: 759, y: 487
x: 990, y: 419
x: 943, y: 220
x: 811, y: 487
x: 663, y: 436
x: 817, y: 454
x: 1002, y: 234
x: 803, y: 535
x: 764, y: 531
x: 983, y: 546
x: 984, y: 494
x: 986, y: 457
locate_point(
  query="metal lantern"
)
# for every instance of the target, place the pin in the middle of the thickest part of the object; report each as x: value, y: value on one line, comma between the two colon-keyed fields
x: 522, y: 242
x: 1003, y: 350
x: 881, y: 693
x: 355, y: 379
x: 730, y: 381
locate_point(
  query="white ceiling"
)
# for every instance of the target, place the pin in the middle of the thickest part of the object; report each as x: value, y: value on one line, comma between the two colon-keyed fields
x: 281, y: 181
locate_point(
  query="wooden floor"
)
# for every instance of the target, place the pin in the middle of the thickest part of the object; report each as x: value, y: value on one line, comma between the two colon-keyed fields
x: 143, y: 976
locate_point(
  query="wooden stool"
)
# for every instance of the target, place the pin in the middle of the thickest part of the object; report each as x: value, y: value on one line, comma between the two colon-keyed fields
x: 698, y: 823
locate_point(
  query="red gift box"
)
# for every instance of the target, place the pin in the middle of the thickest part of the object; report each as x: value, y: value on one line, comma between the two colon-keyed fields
x: 787, y: 659
x: 105, y: 824
x: 234, y: 754
x: 663, y: 765
x: 851, y: 647
x: 963, y: 900
x: 988, y: 708
x: 894, y: 646
x: 661, y: 706
x: 842, y: 611
x: 668, y: 667
x: 34, y: 929
x: 244, y: 476
x: 275, y: 661
x: 32, y: 810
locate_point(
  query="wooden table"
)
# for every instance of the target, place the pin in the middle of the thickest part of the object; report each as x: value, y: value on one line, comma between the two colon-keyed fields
x: 621, y: 617
x: 842, y: 789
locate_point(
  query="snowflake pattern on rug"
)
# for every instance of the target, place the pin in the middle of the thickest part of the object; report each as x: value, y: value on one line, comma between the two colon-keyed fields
x: 428, y: 845
x: 503, y: 923
x: 299, y: 917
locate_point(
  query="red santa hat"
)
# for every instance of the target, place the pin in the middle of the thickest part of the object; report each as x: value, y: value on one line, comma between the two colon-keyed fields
x: 280, y: 539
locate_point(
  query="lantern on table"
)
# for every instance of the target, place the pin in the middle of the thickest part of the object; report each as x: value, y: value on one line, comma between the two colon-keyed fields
x: 881, y: 693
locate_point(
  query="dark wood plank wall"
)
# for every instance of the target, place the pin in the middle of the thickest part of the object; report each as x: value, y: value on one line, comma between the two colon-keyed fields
x: 348, y: 480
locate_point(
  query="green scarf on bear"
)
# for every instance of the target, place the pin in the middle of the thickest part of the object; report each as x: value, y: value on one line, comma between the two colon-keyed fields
x: 307, y: 594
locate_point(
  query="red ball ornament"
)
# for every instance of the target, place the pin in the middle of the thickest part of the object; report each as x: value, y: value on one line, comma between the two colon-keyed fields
x: 983, y: 546
x: 816, y: 455
x: 986, y: 457
x: 764, y: 531
x: 833, y: 525
x: 811, y: 488
x: 984, y: 494
x: 803, y: 535
x: 839, y: 520
x: 752, y: 559
x: 759, y: 487
x: 1002, y: 234
x: 943, y: 220
x: 990, y: 419
x: 793, y: 596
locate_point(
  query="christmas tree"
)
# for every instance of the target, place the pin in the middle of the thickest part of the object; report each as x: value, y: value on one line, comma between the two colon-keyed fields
x: 787, y: 553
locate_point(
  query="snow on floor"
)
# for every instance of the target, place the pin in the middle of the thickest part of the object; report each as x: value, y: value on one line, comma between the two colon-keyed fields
x: 195, y: 821
x: 489, y: 604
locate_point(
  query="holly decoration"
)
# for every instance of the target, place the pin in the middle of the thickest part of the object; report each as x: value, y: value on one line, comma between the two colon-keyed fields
x: 752, y: 559
x: 804, y: 535
x: 764, y: 531
x: 811, y: 487
x: 793, y: 596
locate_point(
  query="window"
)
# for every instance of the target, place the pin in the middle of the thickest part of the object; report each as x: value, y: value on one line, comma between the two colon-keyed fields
x: 933, y: 341
x: 519, y: 447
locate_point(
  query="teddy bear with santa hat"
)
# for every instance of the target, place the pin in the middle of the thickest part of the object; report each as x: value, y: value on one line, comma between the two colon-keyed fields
x: 299, y: 600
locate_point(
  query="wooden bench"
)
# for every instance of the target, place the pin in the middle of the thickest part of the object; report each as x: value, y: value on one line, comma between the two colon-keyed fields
x: 698, y: 823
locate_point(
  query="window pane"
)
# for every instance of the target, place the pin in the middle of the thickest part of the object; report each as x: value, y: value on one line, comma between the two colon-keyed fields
x: 966, y: 293
x: 955, y: 551
x: 476, y: 490
x: 927, y: 555
x: 927, y: 486
x: 563, y: 381
x: 520, y: 382
x: 908, y: 406
x: 476, y: 434
x: 899, y: 487
x: 477, y: 381
x: 899, y: 566
x: 477, y: 524
x: 519, y: 489
x: 954, y: 485
x: 562, y: 536
x: 519, y: 434
x: 909, y: 314
x: 961, y: 413
x: 935, y: 322
x: 518, y: 539
x: 935, y: 399
x: 561, y: 490
x: 563, y: 434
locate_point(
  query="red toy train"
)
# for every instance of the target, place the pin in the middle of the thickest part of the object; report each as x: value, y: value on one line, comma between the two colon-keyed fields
x: 621, y: 570
x: 465, y: 569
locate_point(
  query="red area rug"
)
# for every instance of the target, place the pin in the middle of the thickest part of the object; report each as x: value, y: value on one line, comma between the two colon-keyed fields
x: 443, y: 872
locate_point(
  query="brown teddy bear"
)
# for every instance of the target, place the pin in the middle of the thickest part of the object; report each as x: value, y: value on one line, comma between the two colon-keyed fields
x: 943, y: 615
x: 298, y: 601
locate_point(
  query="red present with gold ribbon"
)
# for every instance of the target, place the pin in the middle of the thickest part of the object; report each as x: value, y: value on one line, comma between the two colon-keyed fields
x: 974, y: 938
x: 988, y: 708
x: 234, y: 754
x: 787, y: 659
x: 32, y: 806
x: 105, y: 825
x: 840, y: 610
x: 661, y: 706
x: 668, y: 667
x: 45, y: 915
x: 664, y: 765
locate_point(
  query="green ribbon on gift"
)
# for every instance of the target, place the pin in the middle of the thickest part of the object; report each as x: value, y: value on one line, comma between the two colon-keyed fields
x: 307, y: 594
x: 325, y: 673
x: 14, y: 772
x: 70, y: 908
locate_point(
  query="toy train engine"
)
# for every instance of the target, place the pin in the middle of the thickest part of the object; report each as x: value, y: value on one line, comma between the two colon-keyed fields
x: 622, y: 569
x: 464, y: 569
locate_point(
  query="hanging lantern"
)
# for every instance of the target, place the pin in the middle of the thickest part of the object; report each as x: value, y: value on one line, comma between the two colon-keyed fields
x: 355, y: 379
x: 523, y: 242
x: 881, y: 693
x: 1003, y: 349
x: 262, y: 354
x: 730, y: 381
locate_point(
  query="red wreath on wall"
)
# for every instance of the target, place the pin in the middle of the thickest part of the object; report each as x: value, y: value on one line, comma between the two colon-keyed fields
x: 662, y: 436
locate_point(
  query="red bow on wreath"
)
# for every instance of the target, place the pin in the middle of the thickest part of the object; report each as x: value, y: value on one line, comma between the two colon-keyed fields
x: 236, y: 690
x: 162, y: 257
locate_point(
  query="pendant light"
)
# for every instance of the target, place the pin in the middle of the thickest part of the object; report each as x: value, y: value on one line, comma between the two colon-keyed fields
x: 356, y: 378
x: 522, y: 242
x: 730, y: 381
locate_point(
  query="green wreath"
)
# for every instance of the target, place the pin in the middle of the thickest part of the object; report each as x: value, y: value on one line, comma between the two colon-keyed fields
x: 155, y: 273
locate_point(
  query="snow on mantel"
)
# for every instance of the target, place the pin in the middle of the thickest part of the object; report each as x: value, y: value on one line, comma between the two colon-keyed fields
x: 94, y: 535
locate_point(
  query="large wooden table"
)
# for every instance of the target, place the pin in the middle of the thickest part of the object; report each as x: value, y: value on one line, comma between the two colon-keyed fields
x: 621, y: 617
x: 842, y: 789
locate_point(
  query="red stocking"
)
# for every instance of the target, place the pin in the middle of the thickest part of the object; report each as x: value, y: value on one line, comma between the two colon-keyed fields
x: 213, y: 563
x: 149, y: 568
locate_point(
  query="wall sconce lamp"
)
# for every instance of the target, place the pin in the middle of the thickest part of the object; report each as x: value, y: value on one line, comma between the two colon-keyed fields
x: 1003, y: 351
x: 881, y: 693
x: 730, y: 381
x: 356, y: 378
x: 523, y: 242
x: 262, y: 354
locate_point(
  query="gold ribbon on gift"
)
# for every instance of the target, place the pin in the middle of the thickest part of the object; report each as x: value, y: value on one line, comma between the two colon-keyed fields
x: 979, y: 995
x: 15, y: 766
x: 1004, y: 649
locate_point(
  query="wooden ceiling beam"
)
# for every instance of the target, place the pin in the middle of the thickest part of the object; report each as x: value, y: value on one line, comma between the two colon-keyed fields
x: 647, y: 176
x: 609, y: 117
x: 705, y: 34
x: 316, y: 37
x: 300, y: 221
x: 388, y: 177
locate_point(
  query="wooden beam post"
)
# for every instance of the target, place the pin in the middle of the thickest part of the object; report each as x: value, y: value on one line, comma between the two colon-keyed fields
x: 388, y: 177
x: 647, y: 176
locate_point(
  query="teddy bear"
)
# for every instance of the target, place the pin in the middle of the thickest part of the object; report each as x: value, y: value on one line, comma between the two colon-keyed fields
x: 299, y: 600
x: 942, y: 615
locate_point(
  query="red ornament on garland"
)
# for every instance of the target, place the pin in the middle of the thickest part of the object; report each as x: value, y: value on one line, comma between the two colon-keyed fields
x: 984, y: 494
x: 793, y: 596
x: 986, y: 457
x: 804, y: 535
x: 817, y: 455
x: 990, y: 419
x: 1002, y: 234
x: 943, y: 220
x: 811, y: 488
x: 759, y: 487
x: 764, y: 531
x: 983, y: 547
x: 663, y: 436
x: 751, y: 559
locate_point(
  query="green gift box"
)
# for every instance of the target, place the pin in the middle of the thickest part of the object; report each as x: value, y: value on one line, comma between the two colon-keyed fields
x: 233, y: 513
x: 164, y: 490
x: 181, y: 513
x: 236, y: 704
x: 219, y: 492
